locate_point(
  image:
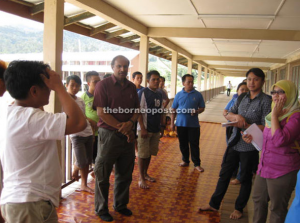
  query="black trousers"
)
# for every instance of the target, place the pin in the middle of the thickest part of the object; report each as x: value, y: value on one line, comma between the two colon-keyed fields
x: 228, y: 91
x: 189, y: 138
x: 230, y: 163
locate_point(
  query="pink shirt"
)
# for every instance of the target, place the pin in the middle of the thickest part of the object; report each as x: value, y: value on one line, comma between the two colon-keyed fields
x: 277, y: 156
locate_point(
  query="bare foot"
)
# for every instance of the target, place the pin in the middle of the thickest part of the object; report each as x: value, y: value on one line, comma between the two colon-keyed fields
x: 151, y: 179
x: 75, y: 174
x: 207, y: 208
x: 199, y: 168
x: 183, y: 164
x: 86, y: 189
x: 143, y: 185
x: 92, y: 174
x: 235, y: 182
x: 236, y: 214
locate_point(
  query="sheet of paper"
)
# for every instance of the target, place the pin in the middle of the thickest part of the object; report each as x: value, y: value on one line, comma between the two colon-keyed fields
x: 257, y: 136
x: 228, y: 124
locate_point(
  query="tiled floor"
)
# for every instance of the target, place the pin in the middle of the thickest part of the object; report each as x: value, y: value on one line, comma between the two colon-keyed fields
x: 177, y: 194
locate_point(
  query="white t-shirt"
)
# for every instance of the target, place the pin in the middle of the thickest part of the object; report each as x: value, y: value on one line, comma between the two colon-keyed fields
x: 88, y: 130
x: 29, y: 155
x: 229, y: 86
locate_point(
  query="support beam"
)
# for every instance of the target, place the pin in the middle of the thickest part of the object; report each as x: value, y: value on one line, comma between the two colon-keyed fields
x: 114, y: 34
x: 171, y: 46
x: 199, y: 78
x: 37, y: 9
x: 102, y: 28
x: 77, y: 18
x: 143, y: 58
x: 189, y: 66
x: 128, y: 39
x: 249, y: 34
x: 155, y: 48
x: 52, y: 50
x: 174, y: 73
x: 235, y: 67
x: 111, y: 14
x: 205, y: 78
x: 244, y: 59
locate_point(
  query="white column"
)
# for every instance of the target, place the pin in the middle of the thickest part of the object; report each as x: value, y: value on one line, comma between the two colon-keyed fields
x: 199, y: 77
x: 143, y: 58
x: 205, y: 78
x: 190, y: 66
x: 174, y: 73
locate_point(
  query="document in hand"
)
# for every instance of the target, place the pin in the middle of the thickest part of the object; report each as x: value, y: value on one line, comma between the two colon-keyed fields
x: 257, y: 136
x: 228, y: 124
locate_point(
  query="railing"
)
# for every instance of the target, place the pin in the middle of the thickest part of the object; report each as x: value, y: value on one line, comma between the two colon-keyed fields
x: 211, y: 93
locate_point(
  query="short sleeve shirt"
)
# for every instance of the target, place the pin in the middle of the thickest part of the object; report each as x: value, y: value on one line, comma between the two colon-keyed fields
x: 151, y: 109
x: 121, y: 101
x: 184, y: 102
x: 29, y: 156
x: 254, y: 111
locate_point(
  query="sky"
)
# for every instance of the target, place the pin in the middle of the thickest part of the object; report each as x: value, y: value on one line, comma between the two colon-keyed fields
x: 12, y: 20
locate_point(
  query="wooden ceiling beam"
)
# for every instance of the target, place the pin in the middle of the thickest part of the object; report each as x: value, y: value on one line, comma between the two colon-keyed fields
x: 78, y: 18
x: 102, y: 28
x: 115, y: 34
x: 128, y: 39
x: 243, y: 59
x: 241, y: 34
x: 37, y: 8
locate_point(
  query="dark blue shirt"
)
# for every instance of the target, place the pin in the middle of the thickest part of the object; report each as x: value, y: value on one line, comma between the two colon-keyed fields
x: 151, y: 109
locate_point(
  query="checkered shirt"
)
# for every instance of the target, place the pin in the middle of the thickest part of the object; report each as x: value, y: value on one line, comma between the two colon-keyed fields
x: 254, y: 111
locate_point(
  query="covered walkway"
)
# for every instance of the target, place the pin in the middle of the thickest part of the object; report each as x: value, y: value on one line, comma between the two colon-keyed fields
x: 179, y: 191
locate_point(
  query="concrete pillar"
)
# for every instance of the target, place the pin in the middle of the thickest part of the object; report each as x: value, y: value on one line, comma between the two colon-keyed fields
x: 174, y: 73
x: 143, y: 58
x: 53, y: 43
x: 199, y: 77
x: 205, y: 78
x: 190, y: 65
x: 53, y: 48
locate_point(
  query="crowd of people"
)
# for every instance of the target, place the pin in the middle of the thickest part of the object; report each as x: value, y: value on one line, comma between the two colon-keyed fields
x: 112, y: 140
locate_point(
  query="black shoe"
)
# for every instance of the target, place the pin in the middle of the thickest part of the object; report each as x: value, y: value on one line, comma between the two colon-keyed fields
x: 125, y: 212
x: 106, y: 217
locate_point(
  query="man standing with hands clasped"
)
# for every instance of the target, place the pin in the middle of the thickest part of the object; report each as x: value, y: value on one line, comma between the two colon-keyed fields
x: 117, y: 106
x: 187, y: 104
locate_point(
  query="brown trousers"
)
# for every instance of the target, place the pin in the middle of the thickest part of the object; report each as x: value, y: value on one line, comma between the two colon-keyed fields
x: 278, y: 191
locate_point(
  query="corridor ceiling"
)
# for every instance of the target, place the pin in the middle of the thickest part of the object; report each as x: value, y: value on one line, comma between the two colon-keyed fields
x: 229, y: 36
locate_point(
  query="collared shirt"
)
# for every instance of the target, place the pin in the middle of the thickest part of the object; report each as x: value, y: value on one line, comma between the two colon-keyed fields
x: 185, y: 101
x: 254, y: 111
x: 278, y: 157
x: 117, y: 100
x: 151, y: 108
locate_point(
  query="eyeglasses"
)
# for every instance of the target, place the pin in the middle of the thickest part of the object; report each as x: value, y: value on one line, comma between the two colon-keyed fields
x: 280, y: 92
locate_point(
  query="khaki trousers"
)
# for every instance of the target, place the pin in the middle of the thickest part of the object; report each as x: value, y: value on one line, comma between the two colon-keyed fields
x: 278, y: 191
x: 30, y: 212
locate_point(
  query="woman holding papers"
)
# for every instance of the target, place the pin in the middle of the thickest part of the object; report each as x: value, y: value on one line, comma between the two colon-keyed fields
x: 280, y: 159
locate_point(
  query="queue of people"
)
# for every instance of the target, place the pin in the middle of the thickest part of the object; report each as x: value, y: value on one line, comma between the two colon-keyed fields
x: 107, y: 139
